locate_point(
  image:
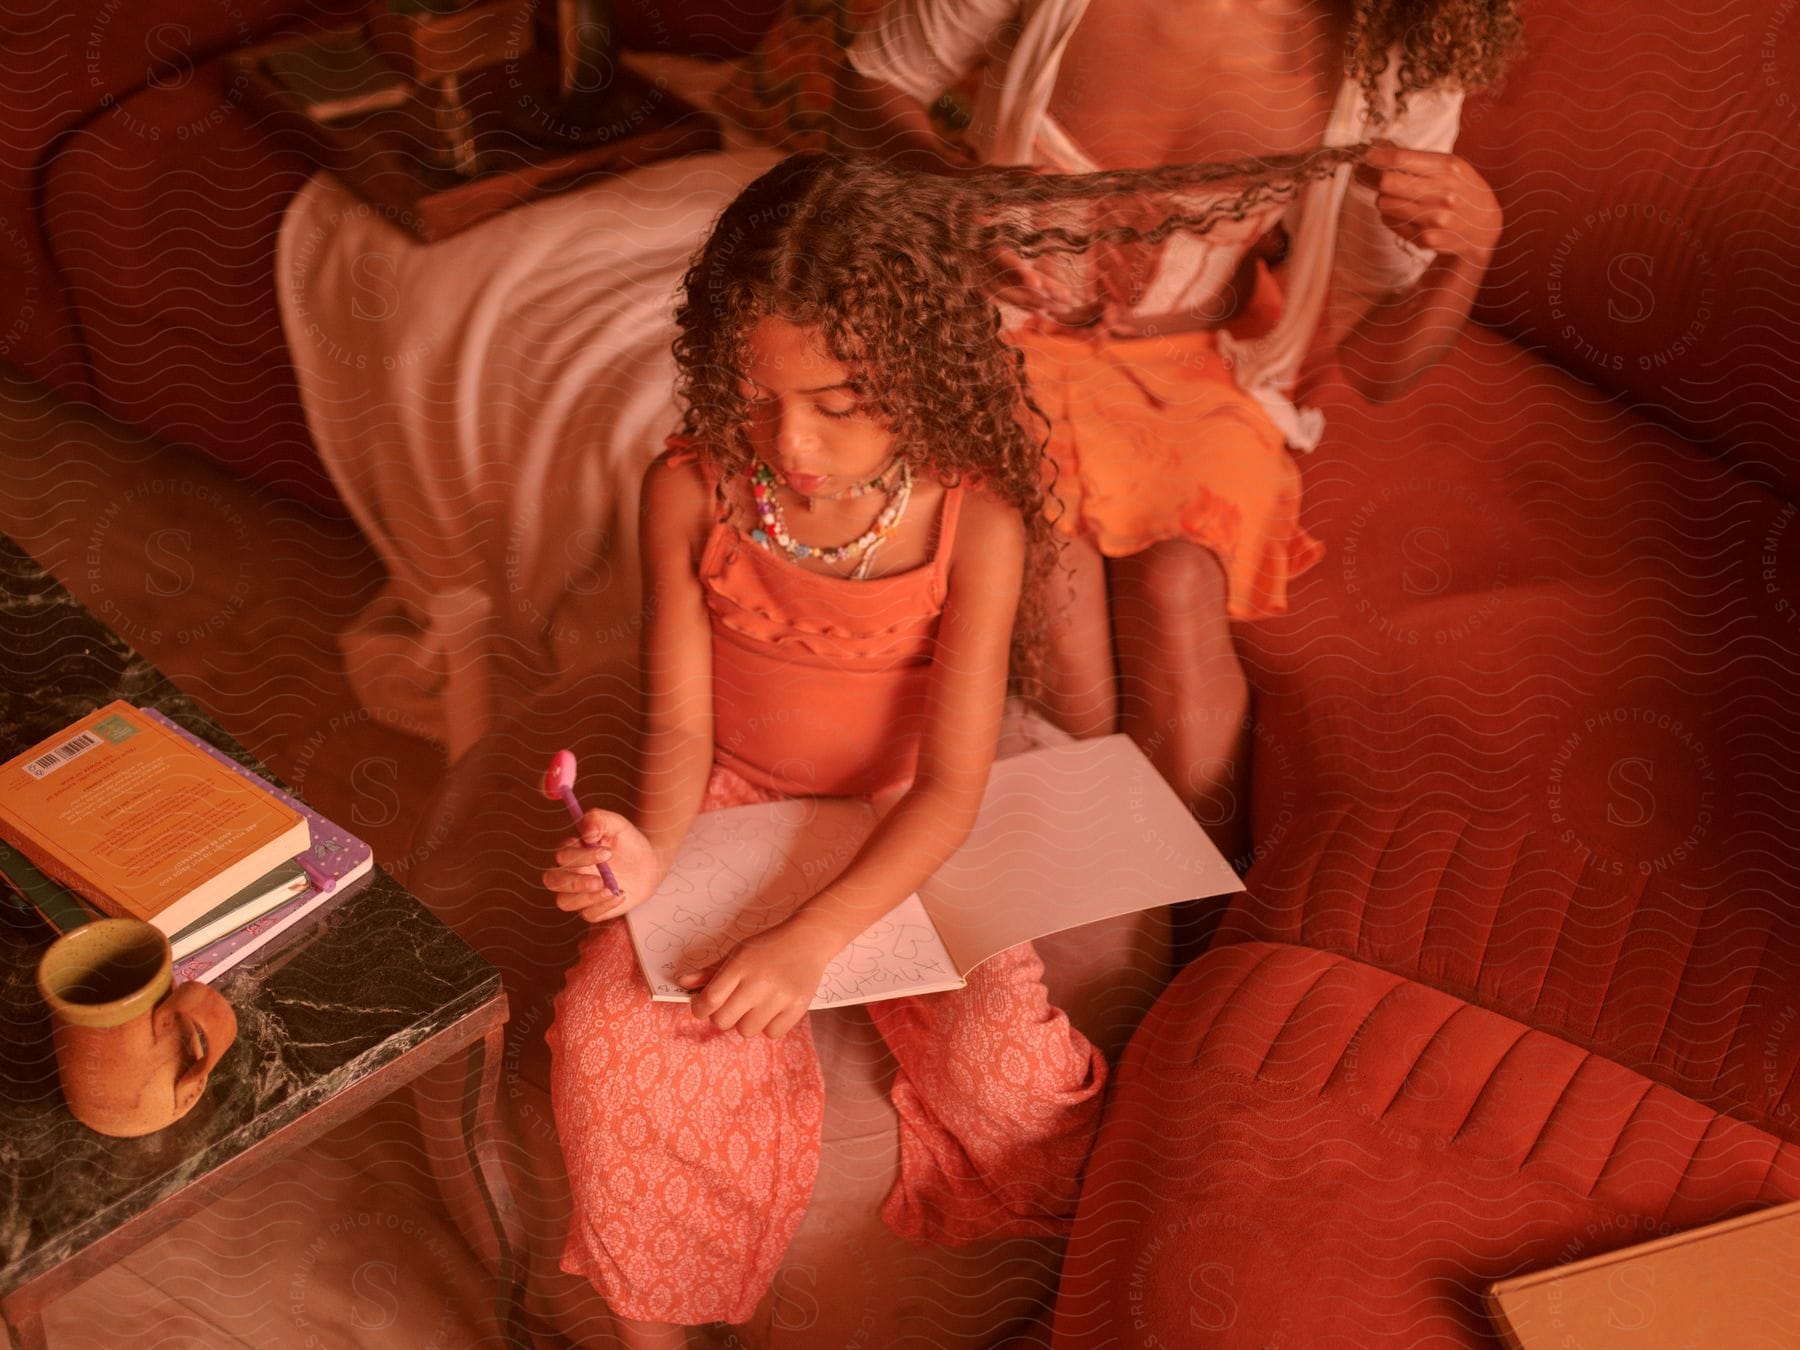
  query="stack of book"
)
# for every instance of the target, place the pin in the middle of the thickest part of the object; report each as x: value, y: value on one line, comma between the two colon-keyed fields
x: 128, y: 814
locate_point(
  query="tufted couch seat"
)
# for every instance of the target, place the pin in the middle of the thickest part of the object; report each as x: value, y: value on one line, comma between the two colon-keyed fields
x: 1353, y: 1155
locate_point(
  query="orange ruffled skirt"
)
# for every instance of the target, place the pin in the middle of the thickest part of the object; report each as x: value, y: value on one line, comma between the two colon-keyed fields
x: 1153, y: 439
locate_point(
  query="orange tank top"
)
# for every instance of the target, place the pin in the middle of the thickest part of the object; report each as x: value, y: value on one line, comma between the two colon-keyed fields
x: 820, y: 682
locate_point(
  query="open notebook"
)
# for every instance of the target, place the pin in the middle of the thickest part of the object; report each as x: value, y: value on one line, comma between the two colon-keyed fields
x: 1066, y: 836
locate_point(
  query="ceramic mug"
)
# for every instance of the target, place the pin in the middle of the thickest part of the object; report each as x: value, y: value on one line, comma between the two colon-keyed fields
x: 133, y: 1048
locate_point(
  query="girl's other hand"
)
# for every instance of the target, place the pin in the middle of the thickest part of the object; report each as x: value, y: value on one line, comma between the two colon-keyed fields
x: 610, y: 838
x: 1435, y: 201
x: 767, y: 982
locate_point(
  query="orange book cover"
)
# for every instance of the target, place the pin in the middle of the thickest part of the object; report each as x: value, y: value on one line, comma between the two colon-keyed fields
x: 1729, y: 1283
x: 139, y: 822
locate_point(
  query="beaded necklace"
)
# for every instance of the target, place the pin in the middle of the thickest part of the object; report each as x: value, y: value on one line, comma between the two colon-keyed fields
x: 772, y: 532
x: 852, y: 492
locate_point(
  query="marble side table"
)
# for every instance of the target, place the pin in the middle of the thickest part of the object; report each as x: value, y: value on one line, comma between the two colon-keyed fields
x: 331, y: 1018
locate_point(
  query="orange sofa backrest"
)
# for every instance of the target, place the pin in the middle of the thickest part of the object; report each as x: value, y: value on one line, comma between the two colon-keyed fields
x: 1644, y: 151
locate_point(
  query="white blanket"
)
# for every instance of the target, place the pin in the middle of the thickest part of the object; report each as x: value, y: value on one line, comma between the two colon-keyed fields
x: 486, y: 405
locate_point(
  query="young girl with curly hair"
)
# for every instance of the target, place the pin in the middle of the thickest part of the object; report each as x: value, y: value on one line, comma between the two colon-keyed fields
x: 1172, y: 376
x: 833, y: 553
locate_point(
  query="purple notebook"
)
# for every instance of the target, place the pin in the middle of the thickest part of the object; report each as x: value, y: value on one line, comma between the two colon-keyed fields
x: 335, y: 853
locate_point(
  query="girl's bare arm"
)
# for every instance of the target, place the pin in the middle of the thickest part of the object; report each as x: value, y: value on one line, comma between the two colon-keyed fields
x: 676, y: 757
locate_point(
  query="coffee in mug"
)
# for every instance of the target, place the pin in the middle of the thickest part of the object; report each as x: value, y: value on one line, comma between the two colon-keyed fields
x: 133, y: 1049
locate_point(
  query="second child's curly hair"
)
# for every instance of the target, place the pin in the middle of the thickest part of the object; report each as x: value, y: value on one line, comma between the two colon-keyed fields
x: 1460, y: 42
x: 882, y: 264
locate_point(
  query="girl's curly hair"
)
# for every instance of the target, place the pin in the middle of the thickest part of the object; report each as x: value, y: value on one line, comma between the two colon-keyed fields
x: 1462, y: 42
x: 883, y: 265
x: 895, y: 271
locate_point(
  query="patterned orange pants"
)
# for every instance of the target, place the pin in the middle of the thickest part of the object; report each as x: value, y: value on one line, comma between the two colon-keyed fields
x: 692, y: 1152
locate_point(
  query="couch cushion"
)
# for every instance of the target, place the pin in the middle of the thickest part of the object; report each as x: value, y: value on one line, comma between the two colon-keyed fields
x: 1683, y: 983
x: 62, y: 64
x: 1285, y: 1110
x: 165, y: 209
x: 1643, y: 153
x: 1526, y: 733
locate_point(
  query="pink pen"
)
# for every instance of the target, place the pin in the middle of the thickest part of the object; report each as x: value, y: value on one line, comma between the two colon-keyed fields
x: 319, y: 880
x: 559, y: 784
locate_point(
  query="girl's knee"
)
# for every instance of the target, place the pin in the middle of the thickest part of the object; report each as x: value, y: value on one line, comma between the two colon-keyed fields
x: 1177, y: 579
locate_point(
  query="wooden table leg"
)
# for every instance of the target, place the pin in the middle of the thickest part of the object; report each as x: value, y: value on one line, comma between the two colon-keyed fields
x: 481, y: 1104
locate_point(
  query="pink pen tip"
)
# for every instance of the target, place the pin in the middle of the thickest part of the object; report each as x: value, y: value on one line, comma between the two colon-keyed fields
x: 559, y: 785
x: 560, y: 776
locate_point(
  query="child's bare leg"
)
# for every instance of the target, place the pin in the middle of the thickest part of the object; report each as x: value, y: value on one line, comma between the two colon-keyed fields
x: 1183, y: 696
x: 651, y: 1335
x: 1078, y: 692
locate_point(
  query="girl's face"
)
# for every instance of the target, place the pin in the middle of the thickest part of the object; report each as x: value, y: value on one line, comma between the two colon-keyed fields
x: 805, y: 420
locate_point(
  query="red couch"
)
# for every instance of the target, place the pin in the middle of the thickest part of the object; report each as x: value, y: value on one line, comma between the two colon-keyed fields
x: 1517, y: 976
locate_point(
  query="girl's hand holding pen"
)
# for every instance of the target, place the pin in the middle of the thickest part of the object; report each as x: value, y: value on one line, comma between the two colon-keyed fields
x: 606, y: 837
x: 559, y: 786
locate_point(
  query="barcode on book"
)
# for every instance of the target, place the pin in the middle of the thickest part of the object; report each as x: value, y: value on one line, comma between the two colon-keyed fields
x: 53, y: 760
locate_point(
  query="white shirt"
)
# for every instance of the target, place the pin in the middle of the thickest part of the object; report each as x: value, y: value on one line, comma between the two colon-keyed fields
x: 1339, y: 252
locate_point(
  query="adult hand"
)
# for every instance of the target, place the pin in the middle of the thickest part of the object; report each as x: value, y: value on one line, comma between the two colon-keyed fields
x: 608, y: 837
x: 766, y: 983
x: 1435, y: 201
